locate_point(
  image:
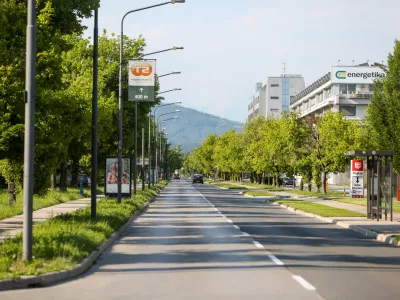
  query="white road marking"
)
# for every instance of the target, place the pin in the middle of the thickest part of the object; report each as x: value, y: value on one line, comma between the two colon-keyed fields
x: 258, y: 245
x: 276, y: 260
x: 220, y: 212
x: 303, y: 283
x: 229, y: 221
x: 245, y: 233
x: 216, y: 209
x: 236, y: 227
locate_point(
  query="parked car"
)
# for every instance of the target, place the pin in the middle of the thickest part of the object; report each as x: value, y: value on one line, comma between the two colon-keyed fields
x: 177, y: 176
x: 198, y: 178
x: 287, y: 181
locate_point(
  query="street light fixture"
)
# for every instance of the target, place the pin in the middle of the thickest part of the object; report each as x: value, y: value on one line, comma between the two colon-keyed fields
x: 120, y: 104
x: 172, y: 73
x: 176, y: 89
x: 161, y: 51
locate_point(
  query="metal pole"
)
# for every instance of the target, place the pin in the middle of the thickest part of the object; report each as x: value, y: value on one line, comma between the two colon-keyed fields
x: 156, y: 148
x: 143, y: 152
x: 149, y: 150
x: 121, y: 50
x: 30, y: 93
x: 135, y: 154
x: 94, y: 115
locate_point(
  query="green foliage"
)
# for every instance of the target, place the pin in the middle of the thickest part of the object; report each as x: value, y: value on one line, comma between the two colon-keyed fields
x: 62, y: 242
x: 259, y: 193
x: 383, y: 113
x: 319, y: 209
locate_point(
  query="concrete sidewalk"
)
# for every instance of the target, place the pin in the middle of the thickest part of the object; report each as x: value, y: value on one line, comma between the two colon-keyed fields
x: 12, y: 226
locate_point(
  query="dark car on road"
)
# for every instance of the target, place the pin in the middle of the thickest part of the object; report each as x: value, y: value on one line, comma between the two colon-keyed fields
x: 177, y: 176
x: 198, y: 178
x: 287, y: 181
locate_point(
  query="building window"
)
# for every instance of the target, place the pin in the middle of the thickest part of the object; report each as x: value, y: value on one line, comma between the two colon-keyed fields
x: 274, y: 97
x: 348, y: 110
x: 351, y: 88
x: 343, y: 89
x: 274, y: 85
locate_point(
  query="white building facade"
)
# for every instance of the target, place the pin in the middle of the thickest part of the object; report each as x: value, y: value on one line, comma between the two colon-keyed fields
x: 272, y: 97
x: 347, y: 89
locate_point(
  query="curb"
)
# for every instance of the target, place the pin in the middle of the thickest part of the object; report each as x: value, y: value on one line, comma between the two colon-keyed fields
x: 86, y: 264
x: 380, y: 237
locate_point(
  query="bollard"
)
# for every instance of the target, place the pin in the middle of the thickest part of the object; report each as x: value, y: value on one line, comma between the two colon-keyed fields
x: 11, y: 193
x: 81, y: 189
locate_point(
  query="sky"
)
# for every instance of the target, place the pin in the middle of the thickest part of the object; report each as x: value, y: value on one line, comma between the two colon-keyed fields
x: 232, y: 44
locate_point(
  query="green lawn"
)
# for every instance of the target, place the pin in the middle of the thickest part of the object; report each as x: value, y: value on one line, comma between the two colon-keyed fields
x: 363, y: 202
x: 258, y: 193
x: 51, y: 198
x: 319, y: 209
x: 230, y: 186
x: 64, y: 241
x: 315, y: 193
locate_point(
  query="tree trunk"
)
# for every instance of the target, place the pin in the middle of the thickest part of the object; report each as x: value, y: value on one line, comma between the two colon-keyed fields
x: 63, y: 177
x: 301, y: 184
x: 74, y: 174
x: 324, y: 179
x: 52, y: 182
x: 11, y: 193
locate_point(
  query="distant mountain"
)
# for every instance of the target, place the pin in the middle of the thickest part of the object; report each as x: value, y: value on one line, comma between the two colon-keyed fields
x: 193, y: 126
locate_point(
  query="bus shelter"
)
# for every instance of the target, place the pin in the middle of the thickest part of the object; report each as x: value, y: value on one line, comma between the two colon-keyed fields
x: 379, y: 182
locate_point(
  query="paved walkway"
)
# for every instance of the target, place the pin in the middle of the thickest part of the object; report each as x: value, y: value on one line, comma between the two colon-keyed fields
x: 385, y: 227
x: 12, y: 226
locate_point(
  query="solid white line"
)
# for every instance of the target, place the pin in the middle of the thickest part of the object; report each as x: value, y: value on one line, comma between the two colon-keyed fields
x: 229, y: 221
x: 245, y: 233
x: 258, y: 245
x: 216, y: 209
x: 276, y: 260
x: 236, y: 227
x: 303, y: 283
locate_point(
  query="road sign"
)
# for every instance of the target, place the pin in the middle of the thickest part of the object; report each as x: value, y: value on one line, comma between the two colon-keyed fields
x: 141, y: 80
x: 357, y: 178
x: 139, y: 161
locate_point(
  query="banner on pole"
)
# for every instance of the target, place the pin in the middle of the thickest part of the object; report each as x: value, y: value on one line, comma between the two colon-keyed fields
x: 142, y: 80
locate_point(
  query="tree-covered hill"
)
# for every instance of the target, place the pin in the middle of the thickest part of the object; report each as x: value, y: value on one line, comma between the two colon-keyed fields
x: 193, y: 126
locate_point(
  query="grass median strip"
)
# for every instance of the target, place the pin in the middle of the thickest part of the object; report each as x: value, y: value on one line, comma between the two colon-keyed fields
x: 257, y: 193
x: 230, y: 186
x: 319, y: 209
x: 50, y: 199
x: 64, y: 241
x: 363, y: 202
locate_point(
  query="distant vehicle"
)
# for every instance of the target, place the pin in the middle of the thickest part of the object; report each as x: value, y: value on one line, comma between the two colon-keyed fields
x: 177, y: 176
x: 287, y: 181
x: 198, y: 178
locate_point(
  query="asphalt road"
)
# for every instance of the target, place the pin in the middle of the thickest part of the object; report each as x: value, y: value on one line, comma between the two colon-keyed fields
x: 201, y: 242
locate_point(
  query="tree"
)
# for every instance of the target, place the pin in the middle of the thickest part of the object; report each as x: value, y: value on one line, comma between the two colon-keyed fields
x: 383, y: 112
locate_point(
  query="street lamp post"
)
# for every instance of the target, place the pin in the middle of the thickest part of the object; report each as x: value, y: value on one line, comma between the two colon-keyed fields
x: 158, y: 123
x: 30, y: 91
x: 154, y: 135
x: 120, y: 103
x: 175, y: 89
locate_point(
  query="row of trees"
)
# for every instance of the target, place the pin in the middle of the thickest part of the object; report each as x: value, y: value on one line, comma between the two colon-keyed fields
x: 309, y: 147
x: 64, y: 91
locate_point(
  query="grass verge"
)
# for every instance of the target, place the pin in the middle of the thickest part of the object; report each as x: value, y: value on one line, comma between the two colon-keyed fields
x: 51, y: 198
x: 231, y: 186
x: 64, y: 241
x: 257, y: 193
x: 363, y: 202
x: 319, y: 209
x: 314, y: 193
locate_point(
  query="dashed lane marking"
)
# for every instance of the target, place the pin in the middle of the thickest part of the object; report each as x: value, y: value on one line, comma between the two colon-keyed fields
x: 304, y: 283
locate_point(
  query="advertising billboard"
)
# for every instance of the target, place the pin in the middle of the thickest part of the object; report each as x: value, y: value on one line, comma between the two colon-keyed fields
x: 357, y: 178
x: 141, y: 80
x: 111, y: 176
x: 361, y: 75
